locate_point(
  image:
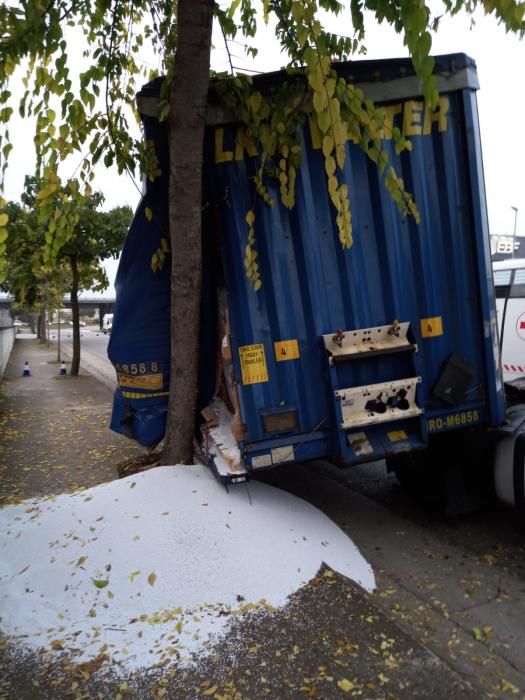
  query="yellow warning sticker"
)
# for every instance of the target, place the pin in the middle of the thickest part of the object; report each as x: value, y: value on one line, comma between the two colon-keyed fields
x: 397, y: 435
x: 253, y: 364
x: 286, y: 350
x: 431, y: 327
x: 140, y: 381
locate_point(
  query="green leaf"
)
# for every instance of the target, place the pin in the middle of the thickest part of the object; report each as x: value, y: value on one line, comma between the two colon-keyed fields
x: 100, y: 583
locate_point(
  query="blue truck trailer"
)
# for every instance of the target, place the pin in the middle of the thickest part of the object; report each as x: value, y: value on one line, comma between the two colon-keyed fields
x: 388, y: 349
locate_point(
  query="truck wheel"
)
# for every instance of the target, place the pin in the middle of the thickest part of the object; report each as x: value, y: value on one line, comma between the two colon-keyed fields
x: 509, y: 473
x: 454, y: 473
x: 420, y: 476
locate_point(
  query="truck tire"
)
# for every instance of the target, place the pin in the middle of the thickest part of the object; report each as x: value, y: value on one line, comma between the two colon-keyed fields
x: 420, y: 476
x: 454, y: 474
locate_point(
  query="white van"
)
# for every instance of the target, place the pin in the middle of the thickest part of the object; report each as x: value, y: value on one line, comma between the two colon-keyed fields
x: 509, y: 282
x: 107, y: 323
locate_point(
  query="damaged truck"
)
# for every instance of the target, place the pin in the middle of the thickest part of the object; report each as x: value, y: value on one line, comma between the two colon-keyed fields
x: 385, y: 350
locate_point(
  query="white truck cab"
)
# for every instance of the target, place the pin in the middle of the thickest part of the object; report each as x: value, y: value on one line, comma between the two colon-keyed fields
x: 107, y: 323
x: 509, y: 283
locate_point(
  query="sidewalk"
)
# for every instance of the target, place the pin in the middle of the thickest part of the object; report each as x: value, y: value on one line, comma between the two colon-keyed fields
x: 54, y: 434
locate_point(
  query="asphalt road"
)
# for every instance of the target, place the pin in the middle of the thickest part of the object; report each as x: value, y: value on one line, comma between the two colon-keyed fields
x: 457, y: 584
x: 92, y: 340
x: 93, y: 352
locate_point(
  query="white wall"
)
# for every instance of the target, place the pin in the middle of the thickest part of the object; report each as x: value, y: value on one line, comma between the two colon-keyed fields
x: 7, y: 339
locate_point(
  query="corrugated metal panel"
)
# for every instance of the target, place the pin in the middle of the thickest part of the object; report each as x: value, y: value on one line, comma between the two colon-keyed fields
x: 395, y: 269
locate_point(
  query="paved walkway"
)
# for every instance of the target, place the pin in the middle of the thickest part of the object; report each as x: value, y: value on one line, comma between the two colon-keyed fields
x: 54, y: 434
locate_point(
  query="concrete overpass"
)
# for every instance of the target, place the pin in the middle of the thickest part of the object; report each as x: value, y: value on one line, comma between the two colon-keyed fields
x: 88, y: 303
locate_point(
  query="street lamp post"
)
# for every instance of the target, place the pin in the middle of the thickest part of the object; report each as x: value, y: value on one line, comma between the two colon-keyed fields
x: 514, y: 234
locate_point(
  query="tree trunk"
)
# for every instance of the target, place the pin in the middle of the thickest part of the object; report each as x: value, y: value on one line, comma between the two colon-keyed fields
x: 75, y: 362
x: 42, y: 328
x: 187, y: 121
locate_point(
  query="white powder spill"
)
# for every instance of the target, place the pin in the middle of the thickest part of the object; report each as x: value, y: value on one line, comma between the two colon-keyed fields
x: 179, y: 554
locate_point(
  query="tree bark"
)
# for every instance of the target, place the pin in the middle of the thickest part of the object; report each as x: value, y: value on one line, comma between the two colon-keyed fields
x: 42, y: 329
x: 187, y: 121
x: 75, y: 317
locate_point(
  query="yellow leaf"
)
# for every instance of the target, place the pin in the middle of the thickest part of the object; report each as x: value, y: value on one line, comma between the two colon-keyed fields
x: 250, y: 217
x: 328, y: 145
x: 346, y: 685
x: 149, y: 213
x: 315, y: 78
x: 319, y: 102
x: 152, y: 578
x: 323, y: 121
x: 210, y: 691
x: 329, y: 165
x: 255, y: 101
x: 3, y: 219
x: 47, y: 191
x: 507, y: 685
x: 330, y: 86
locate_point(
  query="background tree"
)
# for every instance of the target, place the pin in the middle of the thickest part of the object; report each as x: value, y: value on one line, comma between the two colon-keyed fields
x: 85, y: 112
x: 96, y: 236
x: 36, y: 288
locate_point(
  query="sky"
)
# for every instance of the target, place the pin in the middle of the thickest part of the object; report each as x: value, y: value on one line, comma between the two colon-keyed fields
x: 500, y: 59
